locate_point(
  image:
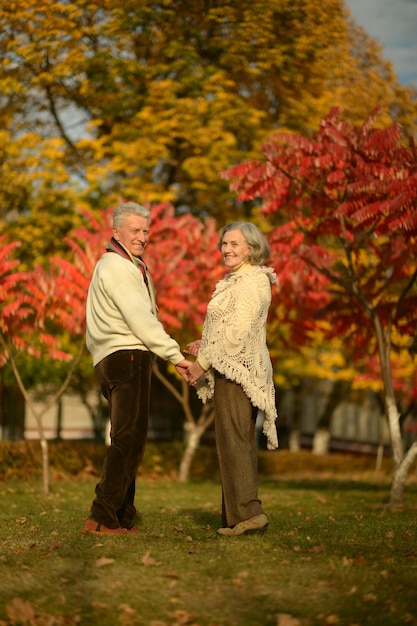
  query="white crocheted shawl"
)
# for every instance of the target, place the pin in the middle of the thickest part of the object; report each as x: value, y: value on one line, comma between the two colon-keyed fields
x: 234, y: 341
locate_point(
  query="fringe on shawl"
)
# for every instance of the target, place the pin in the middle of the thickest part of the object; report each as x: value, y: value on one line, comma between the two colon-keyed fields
x: 205, y: 391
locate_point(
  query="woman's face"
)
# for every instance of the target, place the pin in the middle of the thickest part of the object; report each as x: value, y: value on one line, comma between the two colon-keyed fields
x: 234, y: 249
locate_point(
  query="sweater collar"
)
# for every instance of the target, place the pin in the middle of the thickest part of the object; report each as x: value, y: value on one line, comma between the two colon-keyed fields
x: 243, y: 267
x: 116, y: 246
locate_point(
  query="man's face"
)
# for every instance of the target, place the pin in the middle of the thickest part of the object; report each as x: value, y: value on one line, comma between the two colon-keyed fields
x: 133, y: 234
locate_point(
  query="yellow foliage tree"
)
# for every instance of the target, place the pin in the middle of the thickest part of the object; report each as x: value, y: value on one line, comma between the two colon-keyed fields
x: 152, y: 101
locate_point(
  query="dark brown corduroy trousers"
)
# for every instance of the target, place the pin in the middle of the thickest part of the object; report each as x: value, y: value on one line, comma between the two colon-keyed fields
x: 235, y: 419
x: 125, y: 380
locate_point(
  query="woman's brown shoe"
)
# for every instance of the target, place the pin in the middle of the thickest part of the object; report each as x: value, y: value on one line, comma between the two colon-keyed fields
x: 256, y: 524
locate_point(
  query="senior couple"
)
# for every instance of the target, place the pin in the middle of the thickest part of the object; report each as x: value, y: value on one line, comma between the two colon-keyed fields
x: 232, y: 367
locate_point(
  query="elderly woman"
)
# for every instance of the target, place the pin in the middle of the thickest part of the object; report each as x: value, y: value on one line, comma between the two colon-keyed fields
x: 234, y: 368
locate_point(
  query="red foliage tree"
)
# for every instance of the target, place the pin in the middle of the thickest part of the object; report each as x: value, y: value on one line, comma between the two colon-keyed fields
x: 31, y: 314
x: 8, y: 309
x: 343, y: 210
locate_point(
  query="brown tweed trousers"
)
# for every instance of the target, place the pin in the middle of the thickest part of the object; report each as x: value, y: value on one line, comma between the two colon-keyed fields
x: 235, y: 419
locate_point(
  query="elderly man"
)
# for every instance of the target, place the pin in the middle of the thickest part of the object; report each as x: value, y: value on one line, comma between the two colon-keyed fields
x: 123, y: 335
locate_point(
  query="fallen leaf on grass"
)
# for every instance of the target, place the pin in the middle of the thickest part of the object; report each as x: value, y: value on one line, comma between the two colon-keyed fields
x: 100, y: 606
x: 170, y: 573
x: 148, y: 560
x: 285, y: 619
x: 183, y: 618
x: 102, y: 561
x: 127, y: 609
x: 127, y: 615
x: 21, y: 613
x: 370, y: 597
x: 316, y: 549
x: 239, y: 581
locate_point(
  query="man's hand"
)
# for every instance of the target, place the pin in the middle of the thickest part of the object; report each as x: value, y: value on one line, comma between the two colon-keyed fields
x: 182, y: 369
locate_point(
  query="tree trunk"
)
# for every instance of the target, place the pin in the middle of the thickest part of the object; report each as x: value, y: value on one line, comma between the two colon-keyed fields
x: 38, y: 416
x: 400, y: 476
x: 402, y: 462
x: 294, y: 435
x: 294, y: 440
x: 45, y: 464
x: 193, y: 429
x: 193, y: 434
x: 321, y: 441
x: 380, y: 449
x: 379, y: 456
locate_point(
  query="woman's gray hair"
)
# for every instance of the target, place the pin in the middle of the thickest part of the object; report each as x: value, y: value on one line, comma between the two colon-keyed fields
x: 129, y: 208
x: 257, y: 242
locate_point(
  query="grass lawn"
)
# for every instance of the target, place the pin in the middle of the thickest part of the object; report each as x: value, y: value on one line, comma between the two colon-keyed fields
x: 333, y: 554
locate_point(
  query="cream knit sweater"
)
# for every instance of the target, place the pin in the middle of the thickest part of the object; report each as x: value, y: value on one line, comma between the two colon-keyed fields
x: 120, y: 313
x: 234, y: 341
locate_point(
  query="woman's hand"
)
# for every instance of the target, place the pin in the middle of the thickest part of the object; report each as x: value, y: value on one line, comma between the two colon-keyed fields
x: 193, y: 347
x: 195, y: 371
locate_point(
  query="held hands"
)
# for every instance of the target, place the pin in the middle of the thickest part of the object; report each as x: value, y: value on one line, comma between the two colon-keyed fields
x: 195, y: 371
x: 182, y: 369
x: 189, y: 371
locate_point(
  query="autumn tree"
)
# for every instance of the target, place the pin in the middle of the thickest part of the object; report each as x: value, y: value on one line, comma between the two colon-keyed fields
x: 343, y: 213
x: 30, y: 313
x: 38, y: 195
x: 151, y: 101
x: 101, y: 100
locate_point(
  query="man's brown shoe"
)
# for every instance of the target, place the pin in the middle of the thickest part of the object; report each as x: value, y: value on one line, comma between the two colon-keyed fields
x: 91, y: 527
x: 256, y: 524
